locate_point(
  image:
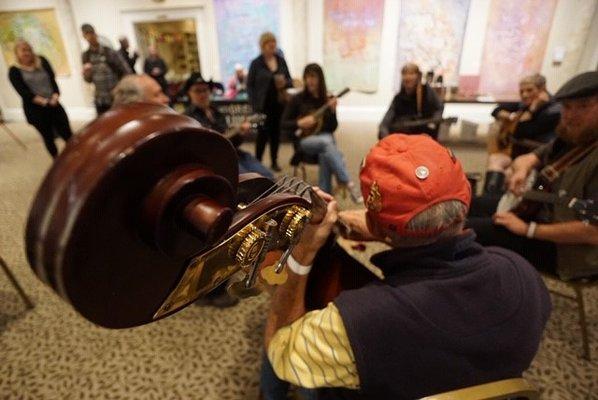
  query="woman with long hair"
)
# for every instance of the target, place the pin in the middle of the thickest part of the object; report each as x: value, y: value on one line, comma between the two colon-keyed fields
x: 298, y: 116
x: 267, y: 81
x: 33, y: 78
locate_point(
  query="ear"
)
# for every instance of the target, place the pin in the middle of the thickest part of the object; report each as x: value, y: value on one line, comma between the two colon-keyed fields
x: 373, y: 226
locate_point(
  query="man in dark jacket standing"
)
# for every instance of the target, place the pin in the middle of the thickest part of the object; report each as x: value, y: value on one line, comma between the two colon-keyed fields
x: 103, y: 67
x: 129, y: 58
x: 449, y: 313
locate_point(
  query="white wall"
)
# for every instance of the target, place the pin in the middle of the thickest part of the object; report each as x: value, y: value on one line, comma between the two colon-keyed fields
x: 302, y: 41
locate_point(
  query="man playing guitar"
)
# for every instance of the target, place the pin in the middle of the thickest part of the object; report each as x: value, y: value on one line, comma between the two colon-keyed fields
x: 415, y: 102
x: 297, y: 116
x: 554, y: 240
x: 200, y: 109
x: 521, y: 128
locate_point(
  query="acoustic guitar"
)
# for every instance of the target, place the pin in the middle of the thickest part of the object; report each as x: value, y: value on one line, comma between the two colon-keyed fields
x: 504, y: 138
x: 233, y: 133
x: 406, y: 124
x: 538, y: 190
x: 319, y: 117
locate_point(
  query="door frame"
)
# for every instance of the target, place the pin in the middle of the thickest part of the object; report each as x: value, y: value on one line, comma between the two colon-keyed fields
x: 204, y: 29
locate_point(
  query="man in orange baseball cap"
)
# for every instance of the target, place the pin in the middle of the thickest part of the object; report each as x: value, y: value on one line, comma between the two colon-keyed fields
x: 449, y: 313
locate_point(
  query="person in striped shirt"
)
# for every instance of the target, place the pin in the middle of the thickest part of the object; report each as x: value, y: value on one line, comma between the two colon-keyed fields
x: 449, y: 312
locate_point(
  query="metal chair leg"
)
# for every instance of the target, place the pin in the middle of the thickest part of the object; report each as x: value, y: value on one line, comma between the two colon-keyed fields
x: 16, y: 285
x: 303, y: 172
x: 582, y: 322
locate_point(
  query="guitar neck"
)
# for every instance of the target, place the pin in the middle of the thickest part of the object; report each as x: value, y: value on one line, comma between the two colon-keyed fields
x: 419, y: 122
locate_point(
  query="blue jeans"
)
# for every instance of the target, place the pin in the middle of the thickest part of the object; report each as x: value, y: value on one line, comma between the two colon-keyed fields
x: 274, y: 388
x: 248, y: 163
x: 330, y: 159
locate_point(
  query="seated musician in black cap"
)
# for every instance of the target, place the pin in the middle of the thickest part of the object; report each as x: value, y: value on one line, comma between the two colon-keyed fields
x: 557, y: 238
x: 415, y: 102
x: 201, y: 110
x: 521, y: 127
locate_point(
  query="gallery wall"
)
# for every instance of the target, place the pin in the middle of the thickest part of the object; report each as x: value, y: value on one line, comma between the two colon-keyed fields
x: 302, y: 32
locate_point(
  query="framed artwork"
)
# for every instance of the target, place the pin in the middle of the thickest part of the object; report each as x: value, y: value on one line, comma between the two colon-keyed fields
x: 240, y: 24
x: 432, y: 37
x: 352, y: 34
x: 515, y: 43
x: 41, y: 29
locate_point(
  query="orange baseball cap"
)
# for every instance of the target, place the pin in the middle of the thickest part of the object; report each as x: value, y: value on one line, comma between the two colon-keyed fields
x: 403, y: 175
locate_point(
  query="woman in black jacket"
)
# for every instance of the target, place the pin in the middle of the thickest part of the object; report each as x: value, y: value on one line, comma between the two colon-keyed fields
x: 34, y: 80
x: 267, y: 82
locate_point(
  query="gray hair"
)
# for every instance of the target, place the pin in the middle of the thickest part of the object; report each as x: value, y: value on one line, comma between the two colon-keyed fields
x: 128, y: 90
x: 537, y: 80
x: 447, y: 218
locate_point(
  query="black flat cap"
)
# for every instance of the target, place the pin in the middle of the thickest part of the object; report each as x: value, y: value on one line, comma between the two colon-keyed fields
x: 582, y: 85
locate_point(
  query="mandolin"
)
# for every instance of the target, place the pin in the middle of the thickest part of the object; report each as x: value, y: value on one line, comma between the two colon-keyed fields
x: 319, y: 117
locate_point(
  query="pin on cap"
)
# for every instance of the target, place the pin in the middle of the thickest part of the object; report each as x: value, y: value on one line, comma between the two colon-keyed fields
x: 422, y: 172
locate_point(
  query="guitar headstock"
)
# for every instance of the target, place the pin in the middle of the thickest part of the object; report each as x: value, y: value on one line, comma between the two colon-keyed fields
x: 343, y: 92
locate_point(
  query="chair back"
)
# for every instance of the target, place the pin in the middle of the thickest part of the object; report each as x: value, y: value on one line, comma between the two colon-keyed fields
x: 508, y: 389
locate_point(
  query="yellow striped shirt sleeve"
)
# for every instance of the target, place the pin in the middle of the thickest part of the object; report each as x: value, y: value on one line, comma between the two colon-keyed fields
x: 314, y: 351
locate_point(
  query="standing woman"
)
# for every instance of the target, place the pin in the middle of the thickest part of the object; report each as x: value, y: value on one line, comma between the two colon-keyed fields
x: 267, y: 82
x: 33, y: 78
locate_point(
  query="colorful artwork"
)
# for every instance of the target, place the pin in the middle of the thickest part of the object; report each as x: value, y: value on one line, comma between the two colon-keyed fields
x: 40, y: 28
x: 352, y: 31
x: 431, y: 35
x: 515, y: 43
x: 240, y: 24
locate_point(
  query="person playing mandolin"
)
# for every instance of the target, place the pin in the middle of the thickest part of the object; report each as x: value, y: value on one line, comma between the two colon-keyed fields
x: 298, y: 116
x: 201, y: 110
x: 522, y: 126
x: 415, y: 101
x: 449, y: 312
x: 556, y: 239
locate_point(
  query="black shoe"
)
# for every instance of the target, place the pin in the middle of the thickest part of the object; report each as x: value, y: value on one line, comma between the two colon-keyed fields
x: 275, y: 168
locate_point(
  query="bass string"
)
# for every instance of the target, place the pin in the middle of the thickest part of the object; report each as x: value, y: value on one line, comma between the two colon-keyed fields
x: 285, y: 184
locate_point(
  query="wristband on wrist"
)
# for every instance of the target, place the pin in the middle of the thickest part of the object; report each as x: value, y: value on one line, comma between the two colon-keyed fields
x: 296, y: 267
x: 531, y: 230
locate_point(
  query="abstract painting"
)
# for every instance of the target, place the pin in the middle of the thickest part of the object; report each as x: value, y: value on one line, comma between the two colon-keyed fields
x: 515, y: 43
x: 431, y: 35
x: 40, y: 28
x: 352, y: 32
x: 240, y: 24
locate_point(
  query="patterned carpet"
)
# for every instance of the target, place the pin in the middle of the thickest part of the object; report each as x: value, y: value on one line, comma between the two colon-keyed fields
x: 200, y: 353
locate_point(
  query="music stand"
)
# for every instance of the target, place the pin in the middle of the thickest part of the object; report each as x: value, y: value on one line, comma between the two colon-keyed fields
x: 28, y: 303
